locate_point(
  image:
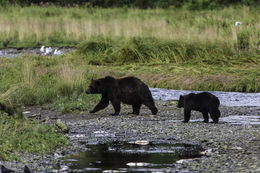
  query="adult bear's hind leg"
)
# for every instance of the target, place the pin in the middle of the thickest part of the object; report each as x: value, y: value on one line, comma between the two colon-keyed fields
x: 116, y: 105
x: 136, y: 109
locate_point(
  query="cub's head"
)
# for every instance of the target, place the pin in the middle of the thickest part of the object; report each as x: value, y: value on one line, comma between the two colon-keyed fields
x: 94, y: 87
x: 181, y: 102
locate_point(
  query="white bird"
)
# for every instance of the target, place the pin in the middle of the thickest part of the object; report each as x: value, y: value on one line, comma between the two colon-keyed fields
x: 42, y: 49
x: 238, y: 23
x: 57, y: 52
x: 48, y: 51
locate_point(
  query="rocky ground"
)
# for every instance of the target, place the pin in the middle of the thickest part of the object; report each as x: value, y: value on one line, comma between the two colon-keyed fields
x: 229, y: 147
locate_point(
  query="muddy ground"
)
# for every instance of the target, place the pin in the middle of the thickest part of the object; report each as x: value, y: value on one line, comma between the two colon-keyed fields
x: 229, y: 147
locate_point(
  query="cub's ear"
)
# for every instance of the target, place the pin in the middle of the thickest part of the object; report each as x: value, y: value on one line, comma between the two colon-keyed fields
x: 91, y: 79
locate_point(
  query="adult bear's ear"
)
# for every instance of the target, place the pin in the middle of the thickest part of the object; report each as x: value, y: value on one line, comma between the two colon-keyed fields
x: 97, y: 82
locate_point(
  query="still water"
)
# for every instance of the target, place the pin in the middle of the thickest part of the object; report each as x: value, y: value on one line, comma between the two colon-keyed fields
x: 131, y: 157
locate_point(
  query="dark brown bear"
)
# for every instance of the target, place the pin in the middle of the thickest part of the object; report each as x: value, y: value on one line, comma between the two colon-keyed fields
x: 204, y: 102
x: 129, y: 90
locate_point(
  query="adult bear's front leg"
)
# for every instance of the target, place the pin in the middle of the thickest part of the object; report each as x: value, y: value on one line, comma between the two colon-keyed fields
x: 101, y: 105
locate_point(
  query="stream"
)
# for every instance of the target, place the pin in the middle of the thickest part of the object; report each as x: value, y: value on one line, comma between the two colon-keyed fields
x: 226, y: 98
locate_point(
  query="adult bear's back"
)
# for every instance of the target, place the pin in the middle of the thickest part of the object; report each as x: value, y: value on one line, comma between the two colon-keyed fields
x: 133, y: 85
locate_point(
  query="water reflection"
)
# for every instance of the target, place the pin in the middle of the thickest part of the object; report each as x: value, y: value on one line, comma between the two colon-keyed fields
x: 130, y: 157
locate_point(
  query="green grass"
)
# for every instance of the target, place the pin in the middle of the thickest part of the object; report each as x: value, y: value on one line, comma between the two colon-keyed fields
x: 18, y: 135
x: 193, y: 77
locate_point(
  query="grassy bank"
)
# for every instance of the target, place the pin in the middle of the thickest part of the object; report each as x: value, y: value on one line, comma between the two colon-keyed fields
x: 61, y: 81
x: 18, y: 135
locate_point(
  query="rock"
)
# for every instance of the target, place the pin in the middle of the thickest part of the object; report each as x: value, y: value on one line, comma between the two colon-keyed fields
x: 137, y: 164
x: 64, y: 128
x: 142, y: 142
x: 208, y: 152
x: 237, y: 148
x: 182, y: 161
x: 36, y: 116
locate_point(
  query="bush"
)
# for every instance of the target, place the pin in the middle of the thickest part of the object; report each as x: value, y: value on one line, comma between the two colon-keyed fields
x: 243, y: 39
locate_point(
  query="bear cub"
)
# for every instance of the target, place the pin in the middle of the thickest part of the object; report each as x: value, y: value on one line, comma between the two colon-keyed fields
x: 129, y: 90
x: 203, y: 102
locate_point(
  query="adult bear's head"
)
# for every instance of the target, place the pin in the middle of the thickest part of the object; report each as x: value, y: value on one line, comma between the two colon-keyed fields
x: 101, y: 85
x: 94, y: 87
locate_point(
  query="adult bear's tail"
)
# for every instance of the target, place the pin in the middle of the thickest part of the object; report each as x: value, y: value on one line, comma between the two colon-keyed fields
x: 218, y: 113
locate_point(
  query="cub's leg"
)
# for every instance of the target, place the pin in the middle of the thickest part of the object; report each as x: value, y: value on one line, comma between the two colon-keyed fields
x: 205, y: 116
x: 186, y: 115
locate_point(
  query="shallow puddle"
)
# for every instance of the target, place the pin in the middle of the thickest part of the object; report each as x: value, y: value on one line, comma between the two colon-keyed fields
x: 131, y: 157
x: 236, y: 119
x: 12, y: 52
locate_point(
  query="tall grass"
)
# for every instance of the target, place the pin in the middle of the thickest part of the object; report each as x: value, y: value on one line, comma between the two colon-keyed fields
x: 34, y: 26
x: 101, y: 51
x: 43, y: 80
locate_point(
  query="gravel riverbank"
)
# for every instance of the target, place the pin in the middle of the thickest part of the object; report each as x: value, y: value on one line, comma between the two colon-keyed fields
x: 229, y: 147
